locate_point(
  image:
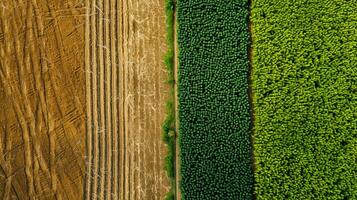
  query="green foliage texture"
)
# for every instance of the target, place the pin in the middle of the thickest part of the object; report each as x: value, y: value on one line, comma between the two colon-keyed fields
x: 169, y: 130
x: 305, y: 99
x: 214, y: 132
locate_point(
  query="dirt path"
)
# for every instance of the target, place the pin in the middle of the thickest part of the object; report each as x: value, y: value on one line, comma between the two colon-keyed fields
x: 125, y: 97
x: 176, y: 67
x: 42, y: 113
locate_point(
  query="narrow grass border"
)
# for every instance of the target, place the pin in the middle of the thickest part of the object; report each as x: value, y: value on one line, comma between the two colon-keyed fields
x: 168, y: 127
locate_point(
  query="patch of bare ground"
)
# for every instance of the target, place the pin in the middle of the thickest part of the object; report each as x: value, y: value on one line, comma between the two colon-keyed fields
x: 42, y: 101
x: 126, y: 94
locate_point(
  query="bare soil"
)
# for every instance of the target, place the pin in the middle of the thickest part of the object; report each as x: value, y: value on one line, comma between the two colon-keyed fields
x: 82, y: 98
x: 143, y: 99
x: 126, y: 95
x: 42, y: 104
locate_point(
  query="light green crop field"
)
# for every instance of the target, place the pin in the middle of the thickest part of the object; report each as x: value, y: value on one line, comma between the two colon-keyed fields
x: 305, y: 99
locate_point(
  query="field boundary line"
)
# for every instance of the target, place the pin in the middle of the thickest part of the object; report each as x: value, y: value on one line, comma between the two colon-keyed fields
x: 250, y: 90
x: 176, y: 66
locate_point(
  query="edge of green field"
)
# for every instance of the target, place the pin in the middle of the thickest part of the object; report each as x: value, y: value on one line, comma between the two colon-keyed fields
x: 168, y: 127
x: 215, y: 125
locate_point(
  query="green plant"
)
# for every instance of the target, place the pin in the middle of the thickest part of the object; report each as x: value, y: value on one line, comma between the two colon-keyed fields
x: 170, y: 195
x: 214, y: 132
x: 168, y: 126
x: 305, y: 87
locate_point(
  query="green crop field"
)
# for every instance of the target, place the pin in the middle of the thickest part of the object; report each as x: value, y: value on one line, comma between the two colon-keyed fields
x: 215, y: 125
x: 305, y: 99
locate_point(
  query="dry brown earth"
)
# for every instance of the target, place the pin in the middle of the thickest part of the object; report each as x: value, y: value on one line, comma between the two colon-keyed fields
x: 42, y: 104
x: 82, y: 99
x: 126, y: 94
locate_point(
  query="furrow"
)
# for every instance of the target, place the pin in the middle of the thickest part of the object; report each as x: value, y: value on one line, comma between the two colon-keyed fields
x: 126, y: 99
x: 138, y: 104
x: 122, y: 87
x: 114, y: 119
x: 108, y: 69
x: 131, y: 102
x: 88, y: 73
x: 177, y: 147
x: 94, y: 172
x: 119, y: 104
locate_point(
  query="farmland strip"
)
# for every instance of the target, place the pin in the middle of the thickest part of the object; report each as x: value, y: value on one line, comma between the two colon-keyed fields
x: 95, y: 101
x: 121, y: 94
x: 42, y: 119
x: 102, y: 104
x: 112, y: 138
x: 88, y: 82
x: 124, y: 104
x: 115, y: 111
x: 176, y: 65
x: 169, y: 126
x: 305, y: 97
x: 215, y: 126
x: 108, y: 100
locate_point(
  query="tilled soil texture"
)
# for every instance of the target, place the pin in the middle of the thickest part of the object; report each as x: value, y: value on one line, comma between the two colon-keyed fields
x: 126, y: 94
x: 42, y: 99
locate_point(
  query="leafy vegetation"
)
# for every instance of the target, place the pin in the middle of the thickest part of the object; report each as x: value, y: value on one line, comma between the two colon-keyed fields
x: 169, y: 130
x: 213, y: 100
x: 305, y: 87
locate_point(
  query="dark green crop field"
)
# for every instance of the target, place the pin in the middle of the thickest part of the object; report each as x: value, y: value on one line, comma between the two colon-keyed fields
x: 215, y: 125
x: 305, y: 99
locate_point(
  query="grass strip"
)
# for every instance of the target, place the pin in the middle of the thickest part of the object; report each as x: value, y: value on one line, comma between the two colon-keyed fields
x: 214, y: 132
x: 169, y: 129
x: 305, y: 87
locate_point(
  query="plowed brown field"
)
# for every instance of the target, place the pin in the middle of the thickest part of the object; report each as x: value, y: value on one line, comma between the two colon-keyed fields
x: 42, y: 100
x: 82, y: 98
